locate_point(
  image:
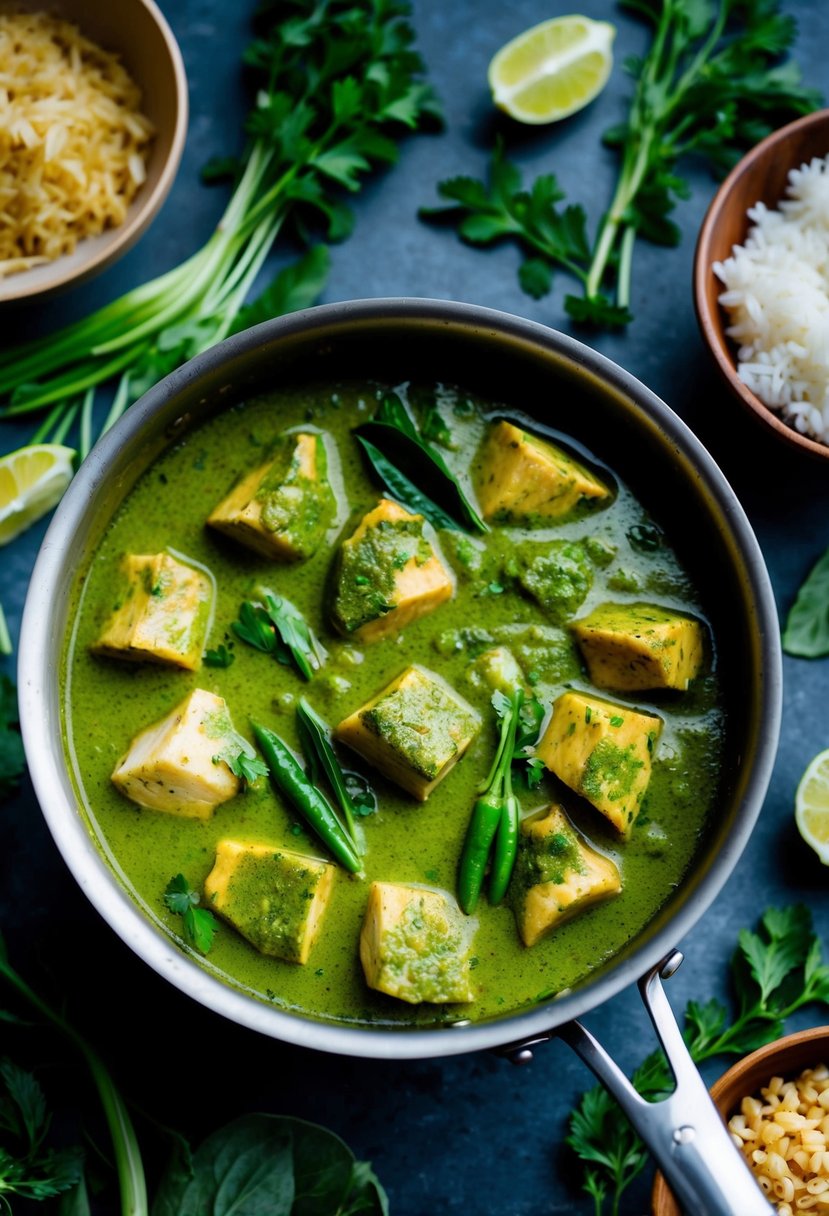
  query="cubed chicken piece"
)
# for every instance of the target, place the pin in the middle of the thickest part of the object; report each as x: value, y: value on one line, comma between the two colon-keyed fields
x: 558, y: 575
x: 522, y: 479
x: 283, y: 508
x: 161, y: 614
x: 630, y: 647
x: 603, y: 752
x: 413, y: 731
x: 274, y: 898
x: 556, y: 876
x: 498, y: 670
x: 178, y: 765
x: 389, y: 573
x: 415, y: 945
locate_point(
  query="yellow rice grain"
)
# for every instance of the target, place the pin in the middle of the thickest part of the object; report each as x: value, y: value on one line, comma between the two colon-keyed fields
x: 73, y: 141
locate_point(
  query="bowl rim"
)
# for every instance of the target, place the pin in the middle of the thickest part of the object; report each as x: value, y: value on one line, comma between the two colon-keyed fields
x: 663, y: 1202
x: 703, y: 269
x: 142, y: 211
x: 82, y: 855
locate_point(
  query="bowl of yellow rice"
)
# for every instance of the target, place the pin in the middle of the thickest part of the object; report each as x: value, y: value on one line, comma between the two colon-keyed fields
x: 93, y: 116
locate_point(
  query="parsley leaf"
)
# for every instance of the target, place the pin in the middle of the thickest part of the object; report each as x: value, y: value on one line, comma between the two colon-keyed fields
x: 12, y: 758
x: 200, y: 926
x: 275, y: 626
x: 220, y: 657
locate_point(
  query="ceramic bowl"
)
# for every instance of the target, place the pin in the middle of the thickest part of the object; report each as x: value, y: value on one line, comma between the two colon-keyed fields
x: 138, y: 32
x: 760, y: 176
x: 785, y: 1058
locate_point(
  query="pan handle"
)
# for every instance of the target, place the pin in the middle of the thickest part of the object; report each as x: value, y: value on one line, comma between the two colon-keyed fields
x: 684, y: 1132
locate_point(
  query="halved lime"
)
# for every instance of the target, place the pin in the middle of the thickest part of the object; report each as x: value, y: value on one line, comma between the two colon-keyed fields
x: 32, y: 481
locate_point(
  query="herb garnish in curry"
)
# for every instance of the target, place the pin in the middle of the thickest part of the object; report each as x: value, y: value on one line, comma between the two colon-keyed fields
x: 420, y: 641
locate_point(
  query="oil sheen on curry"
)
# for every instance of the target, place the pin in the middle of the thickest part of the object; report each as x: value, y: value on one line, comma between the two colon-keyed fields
x: 411, y: 692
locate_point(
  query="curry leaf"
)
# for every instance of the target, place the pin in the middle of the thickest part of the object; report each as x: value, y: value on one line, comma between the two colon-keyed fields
x: 807, y: 628
x: 403, y: 490
x: 392, y: 431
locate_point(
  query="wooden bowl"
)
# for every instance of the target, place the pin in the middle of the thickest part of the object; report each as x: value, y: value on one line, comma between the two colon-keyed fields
x: 785, y: 1058
x: 138, y: 32
x: 761, y: 175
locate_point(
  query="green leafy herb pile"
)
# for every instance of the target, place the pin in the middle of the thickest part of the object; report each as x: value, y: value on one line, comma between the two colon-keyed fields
x: 337, y: 83
x: 257, y: 1163
x: 775, y: 971
x: 712, y: 83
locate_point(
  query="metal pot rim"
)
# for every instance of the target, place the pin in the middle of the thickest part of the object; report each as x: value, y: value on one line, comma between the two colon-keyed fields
x: 41, y: 727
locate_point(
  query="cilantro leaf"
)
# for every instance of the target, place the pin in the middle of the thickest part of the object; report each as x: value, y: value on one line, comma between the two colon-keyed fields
x: 27, y: 1168
x: 297, y: 286
x: 220, y: 657
x: 12, y: 758
x: 200, y: 926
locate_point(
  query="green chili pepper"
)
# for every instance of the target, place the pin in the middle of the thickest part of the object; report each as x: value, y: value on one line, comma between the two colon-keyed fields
x: 483, y: 825
x: 495, y: 818
x: 290, y: 779
x: 506, y: 849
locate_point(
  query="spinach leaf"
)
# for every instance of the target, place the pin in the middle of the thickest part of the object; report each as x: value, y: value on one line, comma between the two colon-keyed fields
x: 807, y: 629
x: 270, y: 1165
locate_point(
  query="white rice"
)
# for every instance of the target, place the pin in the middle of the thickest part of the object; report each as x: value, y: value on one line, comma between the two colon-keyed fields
x: 777, y: 298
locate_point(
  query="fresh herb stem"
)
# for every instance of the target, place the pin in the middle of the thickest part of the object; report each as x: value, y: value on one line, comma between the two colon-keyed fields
x: 129, y: 1165
x: 5, y: 636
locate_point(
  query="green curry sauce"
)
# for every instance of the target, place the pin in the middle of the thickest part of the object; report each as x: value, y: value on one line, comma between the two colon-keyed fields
x: 107, y: 703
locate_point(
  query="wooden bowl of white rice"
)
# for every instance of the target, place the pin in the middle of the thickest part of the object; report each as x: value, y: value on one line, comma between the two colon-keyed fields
x: 761, y: 282
x: 776, y: 1104
x: 93, y: 117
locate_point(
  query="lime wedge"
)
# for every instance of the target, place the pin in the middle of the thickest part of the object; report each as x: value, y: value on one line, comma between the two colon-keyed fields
x: 812, y: 806
x: 552, y: 69
x: 32, y: 481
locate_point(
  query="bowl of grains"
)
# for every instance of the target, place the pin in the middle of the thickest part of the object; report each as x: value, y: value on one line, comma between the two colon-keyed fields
x: 761, y: 282
x: 776, y: 1105
x: 93, y: 116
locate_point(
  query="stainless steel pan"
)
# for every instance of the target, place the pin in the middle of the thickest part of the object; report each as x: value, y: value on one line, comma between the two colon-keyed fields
x: 560, y: 381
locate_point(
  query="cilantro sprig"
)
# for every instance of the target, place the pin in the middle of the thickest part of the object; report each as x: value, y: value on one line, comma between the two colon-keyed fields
x: 272, y: 624
x: 776, y: 970
x: 713, y: 82
x: 199, y: 924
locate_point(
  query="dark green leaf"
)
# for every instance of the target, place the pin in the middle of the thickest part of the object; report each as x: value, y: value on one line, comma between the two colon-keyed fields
x: 403, y: 490
x: 255, y: 627
x: 220, y: 657
x: 807, y: 628
x: 361, y: 792
x: 199, y: 925
x: 297, y: 286
x: 597, y: 311
x: 317, y: 747
x: 248, y: 768
x: 393, y: 432
x: 75, y: 1202
x: 535, y: 277
x: 294, y: 632
x: 12, y: 758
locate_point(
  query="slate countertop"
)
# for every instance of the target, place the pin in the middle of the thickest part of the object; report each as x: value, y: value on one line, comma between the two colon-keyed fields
x: 470, y: 1133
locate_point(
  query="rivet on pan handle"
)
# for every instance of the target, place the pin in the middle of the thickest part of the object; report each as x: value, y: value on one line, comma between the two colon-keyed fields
x: 684, y: 1132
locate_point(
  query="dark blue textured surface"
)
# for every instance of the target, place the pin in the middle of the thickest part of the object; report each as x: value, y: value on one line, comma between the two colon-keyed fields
x: 470, y: 1134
